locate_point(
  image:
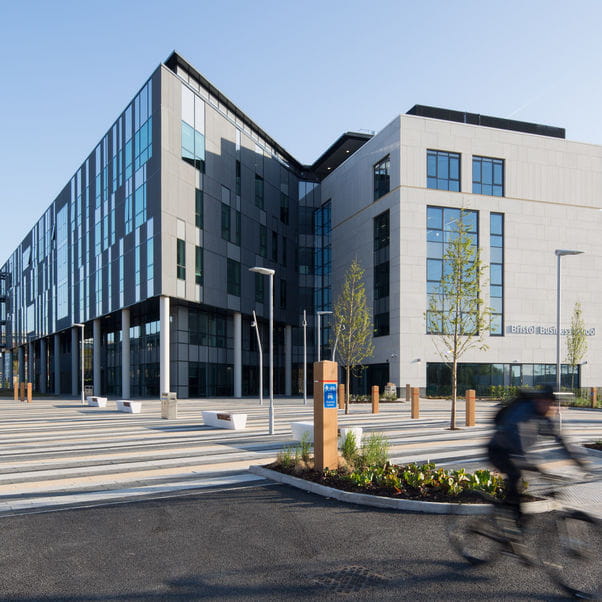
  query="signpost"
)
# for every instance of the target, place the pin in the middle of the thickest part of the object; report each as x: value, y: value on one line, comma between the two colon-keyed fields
x: 326, y: 451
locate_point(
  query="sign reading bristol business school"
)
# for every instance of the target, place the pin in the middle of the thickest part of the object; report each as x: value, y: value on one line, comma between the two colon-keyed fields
x: 536, y: 329
x: 330, y: 395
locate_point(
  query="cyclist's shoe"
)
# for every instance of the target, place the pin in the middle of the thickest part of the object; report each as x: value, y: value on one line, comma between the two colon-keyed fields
x: 522, y: 552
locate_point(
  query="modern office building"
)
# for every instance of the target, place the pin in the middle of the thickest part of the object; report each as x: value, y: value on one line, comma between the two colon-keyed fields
x: 146, y: 252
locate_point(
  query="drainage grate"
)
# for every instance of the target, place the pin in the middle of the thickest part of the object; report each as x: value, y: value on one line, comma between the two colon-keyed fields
x: 350, y: 579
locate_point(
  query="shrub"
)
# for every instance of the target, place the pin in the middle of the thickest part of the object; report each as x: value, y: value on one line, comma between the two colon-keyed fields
x: 349, y: 449
x: 374, y: 451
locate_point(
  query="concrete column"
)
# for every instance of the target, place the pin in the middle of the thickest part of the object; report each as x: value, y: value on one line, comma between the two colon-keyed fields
x: 30, y: 362
x: 96, y: 357
x: 74, y: 362
x: 43, y: 363
x: 57, y: 364
x: 288, y: 360
x: 125, y: 353
x: 21, y: 357
x: 237, y: 354
x: 164, y: 342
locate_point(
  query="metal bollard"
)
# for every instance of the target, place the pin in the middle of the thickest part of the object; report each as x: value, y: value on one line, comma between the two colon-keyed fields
x: 415, y: 402
x: 375, y: 399
x: 470, y: 407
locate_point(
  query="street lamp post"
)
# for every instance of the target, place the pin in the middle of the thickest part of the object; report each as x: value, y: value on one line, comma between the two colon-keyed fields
x: 82, y: 326
x: 256, y: 326
x: 304, y: 324
x: 269, y: 272
x: 318, y: 314
x: 559, y: 253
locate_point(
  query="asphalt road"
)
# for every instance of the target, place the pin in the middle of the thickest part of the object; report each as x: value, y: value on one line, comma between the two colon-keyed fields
x: 251, y: 543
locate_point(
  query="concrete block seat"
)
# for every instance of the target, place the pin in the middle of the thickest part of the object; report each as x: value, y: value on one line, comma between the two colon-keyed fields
x: 125, y: 405
x: 357, y: 432
x: 225, y: 420
x: 301, y: 430
x: 97, y: 402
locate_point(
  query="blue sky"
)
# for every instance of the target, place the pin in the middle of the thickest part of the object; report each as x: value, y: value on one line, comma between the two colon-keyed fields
x: 304, y: 71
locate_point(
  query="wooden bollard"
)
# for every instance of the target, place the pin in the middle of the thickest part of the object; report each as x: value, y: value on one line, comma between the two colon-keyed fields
x: 415, y: 402
x: 16, y: 385
x: 375, y: 398
x: 594, y: 397
x: 22, y: 390
x: 341, y: 396
x: 470, y: 396
x: 408, y: 392
x: 29, y: 392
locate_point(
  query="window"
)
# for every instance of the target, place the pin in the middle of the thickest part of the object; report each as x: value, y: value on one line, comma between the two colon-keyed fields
x: 263, y: 241
x: 259, y: 191
x: 282, y: 294
x: 496, y: 273
x: 237, y: 177
x: 181, y: 259
x: 443, y: 170
x: 283, y: 208
x: 441, y: 225
x: 381, y: 275
x: 488, y: 176
x: 225, y: 222
x: 233, y: 277
x: 198, y: 265
x: 381, y: 178
x: 198, y: 208
x: 259, y: 287
x: 275, y: 247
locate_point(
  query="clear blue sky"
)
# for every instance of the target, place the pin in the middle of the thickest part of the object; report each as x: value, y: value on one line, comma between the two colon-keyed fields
x: 304, y: 71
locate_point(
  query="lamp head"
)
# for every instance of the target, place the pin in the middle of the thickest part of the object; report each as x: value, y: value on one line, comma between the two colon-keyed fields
x: 264, y: 271
x: 563, y: 252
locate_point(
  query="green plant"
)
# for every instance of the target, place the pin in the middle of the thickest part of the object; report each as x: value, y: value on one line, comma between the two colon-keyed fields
x: 305, y: 447
x: 388, y: 397
x: 374, y: 451
x: 349, y: 449
x: 286, y: 457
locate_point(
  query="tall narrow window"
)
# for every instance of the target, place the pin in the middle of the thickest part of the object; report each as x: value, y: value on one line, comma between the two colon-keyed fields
x: 496, y: 273
x: 181, y: 259
x: 282, y: 294
x: 381, y: 178
x: 488, y: 176
x: 198, y: 265
x: 283, y: 208
x: 198, y: 208
x: 443, y: 170
x: 381, y: 274
x: 233, y: 277
x: 263, y: 241
x: 238, y: 177
x: 259, y: 288
x: 275, y: 247
x: 225, y: 222
x: 259, y: 191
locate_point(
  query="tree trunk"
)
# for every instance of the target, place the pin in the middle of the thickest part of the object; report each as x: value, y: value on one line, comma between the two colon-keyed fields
x: 347, y: 393
x: 454, y: 394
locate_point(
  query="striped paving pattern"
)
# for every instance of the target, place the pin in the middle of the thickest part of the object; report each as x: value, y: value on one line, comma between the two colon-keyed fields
x: 56, y: 452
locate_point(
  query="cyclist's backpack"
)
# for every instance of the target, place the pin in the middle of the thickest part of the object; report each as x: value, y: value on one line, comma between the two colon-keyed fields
x: 502, y: 413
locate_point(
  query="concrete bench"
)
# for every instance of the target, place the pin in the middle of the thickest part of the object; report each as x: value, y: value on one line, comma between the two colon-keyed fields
x: 97, y: 402
x: 303, y: 430
x: 124, y: 405
x: 225, y: 420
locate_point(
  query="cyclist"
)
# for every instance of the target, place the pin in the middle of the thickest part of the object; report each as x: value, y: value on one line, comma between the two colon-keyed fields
x: 517, y: 429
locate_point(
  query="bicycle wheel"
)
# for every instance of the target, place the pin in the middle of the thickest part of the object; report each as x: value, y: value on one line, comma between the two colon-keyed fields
x: 477, y: 539
x: 576, y: 567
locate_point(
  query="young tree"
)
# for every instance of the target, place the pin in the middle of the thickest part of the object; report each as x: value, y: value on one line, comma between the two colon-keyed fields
x: 352, y: 325
x: 456, y: 315
x: 576, y: 341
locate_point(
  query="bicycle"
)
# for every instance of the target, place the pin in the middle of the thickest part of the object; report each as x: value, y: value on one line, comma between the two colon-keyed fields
x: 568, y: 547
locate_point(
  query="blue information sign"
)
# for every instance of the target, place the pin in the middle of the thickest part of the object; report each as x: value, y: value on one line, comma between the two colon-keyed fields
x: 330, y: 395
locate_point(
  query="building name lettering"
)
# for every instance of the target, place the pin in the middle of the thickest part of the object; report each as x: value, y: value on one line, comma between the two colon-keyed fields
x: 532, y: 329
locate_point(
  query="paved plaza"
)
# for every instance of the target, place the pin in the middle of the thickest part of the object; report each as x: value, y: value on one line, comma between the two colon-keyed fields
x: 56, y: 452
